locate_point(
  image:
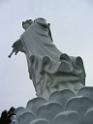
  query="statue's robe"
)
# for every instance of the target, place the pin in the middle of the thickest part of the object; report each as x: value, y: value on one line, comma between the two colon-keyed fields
x: 50, y: 69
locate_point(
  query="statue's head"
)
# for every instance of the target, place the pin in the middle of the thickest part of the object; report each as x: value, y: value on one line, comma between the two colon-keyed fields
x: 26, y: 24
x: 44, y: 24
x: 41, y: 21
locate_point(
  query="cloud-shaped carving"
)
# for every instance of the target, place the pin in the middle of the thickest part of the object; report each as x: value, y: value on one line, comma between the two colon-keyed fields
x: 62, y: 107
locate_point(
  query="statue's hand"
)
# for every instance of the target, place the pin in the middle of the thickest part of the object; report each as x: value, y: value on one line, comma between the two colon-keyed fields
x: 16, y: 48
x: 13, y: 51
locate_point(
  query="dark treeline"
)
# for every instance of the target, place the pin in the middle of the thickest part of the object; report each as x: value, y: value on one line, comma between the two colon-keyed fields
x: 7, y: 115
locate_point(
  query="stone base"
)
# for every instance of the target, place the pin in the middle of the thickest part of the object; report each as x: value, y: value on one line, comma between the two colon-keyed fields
x: 62, y: 107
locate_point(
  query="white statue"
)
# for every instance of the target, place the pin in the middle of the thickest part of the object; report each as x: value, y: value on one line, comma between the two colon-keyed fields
x: 49, y: 69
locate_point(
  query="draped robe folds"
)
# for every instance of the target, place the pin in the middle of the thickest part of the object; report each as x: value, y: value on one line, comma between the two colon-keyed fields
x: 49, y: 69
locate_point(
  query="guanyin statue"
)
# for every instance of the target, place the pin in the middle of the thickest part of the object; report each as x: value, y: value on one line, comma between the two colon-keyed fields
x: 49, y: 68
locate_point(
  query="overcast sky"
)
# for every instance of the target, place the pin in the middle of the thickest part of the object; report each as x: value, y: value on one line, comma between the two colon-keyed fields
x: 72, y: 30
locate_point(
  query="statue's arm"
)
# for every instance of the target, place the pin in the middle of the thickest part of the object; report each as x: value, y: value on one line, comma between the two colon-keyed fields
x: 17, y: 46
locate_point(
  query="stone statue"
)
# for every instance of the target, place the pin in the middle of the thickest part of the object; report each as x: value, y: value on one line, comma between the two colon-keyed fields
x: 49, y: 69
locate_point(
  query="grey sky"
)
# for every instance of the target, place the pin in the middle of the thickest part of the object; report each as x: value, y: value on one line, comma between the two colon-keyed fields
x: 72, y: 30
